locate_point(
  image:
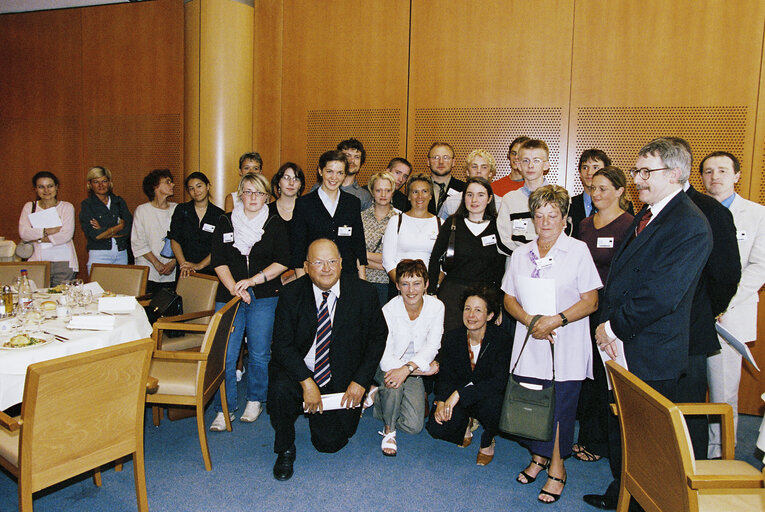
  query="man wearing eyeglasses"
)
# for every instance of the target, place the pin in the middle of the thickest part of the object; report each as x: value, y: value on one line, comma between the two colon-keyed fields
x: 514, y: 217
x: 329, y: 336
x: 649, y: 293
x: 440, y: 163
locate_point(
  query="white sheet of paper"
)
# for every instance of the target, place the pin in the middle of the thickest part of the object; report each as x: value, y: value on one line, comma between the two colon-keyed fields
x: 620, y: 359
x: 117, y: 305
x: 537, y: 296
x: 740, y: 347
x: 331, y: 402
x: 47, y: 218
x: 94, y: 288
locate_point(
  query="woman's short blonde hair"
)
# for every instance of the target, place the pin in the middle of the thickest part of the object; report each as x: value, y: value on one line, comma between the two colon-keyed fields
x: 549, y: 194
x: 486, y: 156
x: 385, y: 175
x: 258, y: 181
x: 98, y: 172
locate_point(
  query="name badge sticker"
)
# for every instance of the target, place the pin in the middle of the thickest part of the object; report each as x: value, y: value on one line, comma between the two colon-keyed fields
x: 519, y: 226
x: 208, y: 227
x: 451, y: 192
x: 740, y: 235
x: 543, y: 263
x: 344, y: 231
x: 605, y: 242
x: 489, y: 240
x: 228, y: 238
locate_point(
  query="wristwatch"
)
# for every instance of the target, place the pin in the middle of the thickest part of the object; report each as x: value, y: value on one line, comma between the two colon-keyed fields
x: 564, y: 319
x: 411, y: 368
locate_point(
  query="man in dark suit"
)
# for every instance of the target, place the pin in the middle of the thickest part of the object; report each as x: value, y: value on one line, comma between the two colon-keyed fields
x: 649, y: 292
x: 440, y: 162
x: 590, y: 161
x: 315, y: 312
x: 400, y: 168
x: 717, y: 286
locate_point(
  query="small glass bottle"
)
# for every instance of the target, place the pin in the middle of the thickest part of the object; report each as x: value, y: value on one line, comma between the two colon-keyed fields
x: 8, y: 299
x: 25, y: 290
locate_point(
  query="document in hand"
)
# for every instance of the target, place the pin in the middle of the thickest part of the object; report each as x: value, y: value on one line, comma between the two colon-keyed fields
x: 331, y: 402
x: 740, y: 347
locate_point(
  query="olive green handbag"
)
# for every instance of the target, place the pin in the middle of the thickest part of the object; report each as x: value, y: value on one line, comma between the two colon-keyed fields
x: 528, y: 412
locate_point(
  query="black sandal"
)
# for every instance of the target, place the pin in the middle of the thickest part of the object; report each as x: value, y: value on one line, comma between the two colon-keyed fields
x: 555, y: 497
x: 529, y: 478
x: 585, y: 455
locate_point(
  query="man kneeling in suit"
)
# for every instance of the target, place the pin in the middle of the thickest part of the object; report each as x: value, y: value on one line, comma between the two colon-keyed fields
x: 329, y: 336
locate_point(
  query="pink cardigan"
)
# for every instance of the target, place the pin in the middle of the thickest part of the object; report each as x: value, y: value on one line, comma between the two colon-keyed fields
x: 28, y: 233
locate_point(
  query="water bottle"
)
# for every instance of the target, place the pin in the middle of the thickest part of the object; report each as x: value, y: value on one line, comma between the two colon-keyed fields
x: 25, y: 290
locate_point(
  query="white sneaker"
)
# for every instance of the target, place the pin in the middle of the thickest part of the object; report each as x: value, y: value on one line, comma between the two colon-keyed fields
x: 251, y: 412
x: 219, y: 423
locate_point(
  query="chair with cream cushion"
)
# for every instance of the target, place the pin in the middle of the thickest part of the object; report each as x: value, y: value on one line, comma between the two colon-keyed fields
x: 79, y: 412
x: 123, y: 279
x: 191, y: 378
x: 658, y: 467
x: 37, y: 271
x: 198, y: 294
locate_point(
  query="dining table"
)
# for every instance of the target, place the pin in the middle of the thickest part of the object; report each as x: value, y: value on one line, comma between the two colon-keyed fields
x: 63, y: 341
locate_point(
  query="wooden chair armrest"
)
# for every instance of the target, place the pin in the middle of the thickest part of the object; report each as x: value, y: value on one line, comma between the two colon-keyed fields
x: 180, y: 355
x: 614, y: 409
x: 188, y: 316
x: 146, y: 297
x: 725, y: 411
x: 161, y: 325
x: 8, y: 423
x: 725, y: 481
x: 152, y: 385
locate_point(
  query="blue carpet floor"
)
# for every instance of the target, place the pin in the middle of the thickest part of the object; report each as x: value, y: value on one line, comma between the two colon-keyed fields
x: 426, y: 475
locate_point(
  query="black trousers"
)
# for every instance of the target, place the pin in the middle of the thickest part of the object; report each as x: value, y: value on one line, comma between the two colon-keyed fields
x: 330, y: 430
x: 486, y: 411
x: 692, y: 387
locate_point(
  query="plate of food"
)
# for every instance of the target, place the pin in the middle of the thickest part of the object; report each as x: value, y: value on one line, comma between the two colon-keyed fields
x: 24, y: 341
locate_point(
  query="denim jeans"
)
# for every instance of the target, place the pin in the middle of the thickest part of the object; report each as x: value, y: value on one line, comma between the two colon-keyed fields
x: 256, y: 319
x: 112, y: 257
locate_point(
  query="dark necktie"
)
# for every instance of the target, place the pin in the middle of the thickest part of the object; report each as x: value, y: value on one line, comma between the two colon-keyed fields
x: 441, y: 195
x: 643, y: 222
x: 321, y: 370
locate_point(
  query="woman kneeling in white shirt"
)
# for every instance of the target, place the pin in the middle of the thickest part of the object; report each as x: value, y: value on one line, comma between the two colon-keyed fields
x: 415, y: 325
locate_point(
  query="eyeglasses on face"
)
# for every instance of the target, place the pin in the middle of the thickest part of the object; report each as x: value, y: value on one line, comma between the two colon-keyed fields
x: 438, y: 158
x: 320, y: 263
x: 290, y: 179
x: 529, y: 161
x: 256, y: 193
x: 644, y: 172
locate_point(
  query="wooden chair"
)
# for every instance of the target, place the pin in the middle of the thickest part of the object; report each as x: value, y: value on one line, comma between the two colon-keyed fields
x: 198, y: 294
x: 192, y: 378
x: 79, y: 413
x: 658, y: 467
x: 38, y: 271
x: 124, y: 279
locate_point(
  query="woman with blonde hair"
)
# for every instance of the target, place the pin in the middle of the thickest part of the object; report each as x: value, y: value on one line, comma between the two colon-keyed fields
x: 375, y: 220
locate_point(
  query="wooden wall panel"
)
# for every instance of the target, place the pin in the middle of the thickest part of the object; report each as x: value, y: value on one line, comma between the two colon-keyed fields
x: 636, y: 77
x: 268, y: 79
x: 479, y: 69
x: 336, y: 62
x: 91, y: 86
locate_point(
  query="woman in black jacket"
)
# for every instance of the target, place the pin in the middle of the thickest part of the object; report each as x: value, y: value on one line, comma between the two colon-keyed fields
x: 475, y: 362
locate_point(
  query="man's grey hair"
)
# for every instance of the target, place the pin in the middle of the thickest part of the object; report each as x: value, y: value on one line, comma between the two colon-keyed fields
x: 672, y: 152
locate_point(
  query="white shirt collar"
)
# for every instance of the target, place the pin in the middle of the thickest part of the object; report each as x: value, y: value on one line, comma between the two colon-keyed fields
x: 330, y: 205
x: 659, y: 206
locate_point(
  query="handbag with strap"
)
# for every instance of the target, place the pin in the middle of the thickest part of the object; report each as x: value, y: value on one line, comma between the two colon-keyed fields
x: 447, y: 257
x: 528, y: 412
x: 25, y: 249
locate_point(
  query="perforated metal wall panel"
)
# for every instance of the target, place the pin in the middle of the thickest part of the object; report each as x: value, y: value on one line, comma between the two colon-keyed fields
x: 622, y: 131
x: 491, y: 129
x: 380, y: 130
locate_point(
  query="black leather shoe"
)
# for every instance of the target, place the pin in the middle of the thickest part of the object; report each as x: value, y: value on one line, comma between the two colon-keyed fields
x: 601, y: 501
x: 283, y: 465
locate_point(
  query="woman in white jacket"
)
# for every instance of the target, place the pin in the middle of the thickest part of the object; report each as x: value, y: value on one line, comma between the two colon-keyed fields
x: 415, y: 326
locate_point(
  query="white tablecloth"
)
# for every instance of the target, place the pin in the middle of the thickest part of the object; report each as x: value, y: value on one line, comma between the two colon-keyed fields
x: 13, y: 363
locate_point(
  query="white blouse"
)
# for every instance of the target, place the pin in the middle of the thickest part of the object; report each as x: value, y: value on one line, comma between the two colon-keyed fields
x: 424, y: 333
x: 414, y: 240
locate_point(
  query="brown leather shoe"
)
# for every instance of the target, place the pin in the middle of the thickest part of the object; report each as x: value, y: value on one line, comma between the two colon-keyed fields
x: 482, y: 459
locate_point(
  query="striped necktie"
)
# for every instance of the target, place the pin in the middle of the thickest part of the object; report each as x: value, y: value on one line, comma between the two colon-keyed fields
x: 321, y: 372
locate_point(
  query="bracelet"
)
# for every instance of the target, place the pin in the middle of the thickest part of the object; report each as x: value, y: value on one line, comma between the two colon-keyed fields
x: 264, y: 277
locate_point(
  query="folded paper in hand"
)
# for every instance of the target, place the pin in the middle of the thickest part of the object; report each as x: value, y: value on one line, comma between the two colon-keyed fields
x: 331, y: 402
x: 92, y: 322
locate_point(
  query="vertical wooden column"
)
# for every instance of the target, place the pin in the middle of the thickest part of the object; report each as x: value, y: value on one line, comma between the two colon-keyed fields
x: 218, y: 82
